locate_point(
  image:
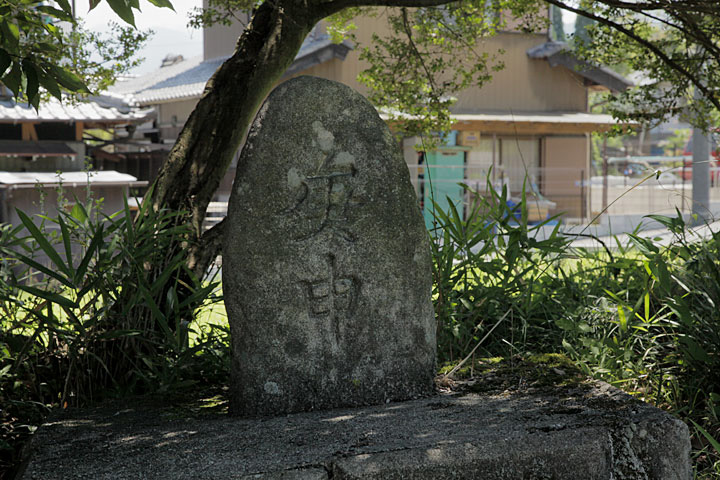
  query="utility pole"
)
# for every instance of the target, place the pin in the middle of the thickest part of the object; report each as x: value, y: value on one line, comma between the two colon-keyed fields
x: 700, y: 172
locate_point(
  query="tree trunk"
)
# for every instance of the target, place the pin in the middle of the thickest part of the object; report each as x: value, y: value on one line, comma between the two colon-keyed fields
x: 212, y: 134
x: 214, y: 131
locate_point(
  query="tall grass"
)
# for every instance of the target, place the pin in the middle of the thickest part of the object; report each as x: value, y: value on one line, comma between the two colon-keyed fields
x: 82, y: 315
x: 83, y: 318
x: 487, y: 264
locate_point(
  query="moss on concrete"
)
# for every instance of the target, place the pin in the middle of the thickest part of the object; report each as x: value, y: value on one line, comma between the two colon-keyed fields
x: 536, y: 371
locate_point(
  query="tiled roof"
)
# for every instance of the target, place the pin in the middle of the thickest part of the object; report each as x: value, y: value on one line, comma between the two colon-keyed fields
x: 54, y: 111
x: 184, y: 79
x: 558, y: 53
x: 187, y: 78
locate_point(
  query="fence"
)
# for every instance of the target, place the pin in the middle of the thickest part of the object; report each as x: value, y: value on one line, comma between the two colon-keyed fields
x: 566, y: 191
x: 579, y: 197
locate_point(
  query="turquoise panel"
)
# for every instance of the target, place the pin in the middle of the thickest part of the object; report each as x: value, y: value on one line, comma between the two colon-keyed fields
x: 443, y: 172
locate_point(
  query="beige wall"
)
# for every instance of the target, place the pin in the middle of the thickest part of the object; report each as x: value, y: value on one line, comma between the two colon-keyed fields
x: 332, y: 70
x: 524, y: 85
x: 219, y: 40
x: 171, y: 116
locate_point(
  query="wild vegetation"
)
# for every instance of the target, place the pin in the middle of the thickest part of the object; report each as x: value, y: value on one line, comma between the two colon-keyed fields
x: 78, y: 320
x: 642, y: 316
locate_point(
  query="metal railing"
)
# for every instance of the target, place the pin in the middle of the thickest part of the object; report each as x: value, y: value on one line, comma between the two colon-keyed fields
x: 571, y: 191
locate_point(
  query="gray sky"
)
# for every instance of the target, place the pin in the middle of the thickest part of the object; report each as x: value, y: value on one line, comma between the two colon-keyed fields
x: 171, y: 32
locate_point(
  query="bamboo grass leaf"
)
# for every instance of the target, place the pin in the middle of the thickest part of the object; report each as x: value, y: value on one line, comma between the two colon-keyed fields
x: 38, y: 266
x: 42, y: 241
x: 91, y: 250
x: 50, y: 296
x: 65, y: 234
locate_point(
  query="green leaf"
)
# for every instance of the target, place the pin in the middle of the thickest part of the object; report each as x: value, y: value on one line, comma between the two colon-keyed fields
x: 50, y: 296
x: 54, y: 12
x: 33, y: 84
x: 93, y: 4
x: 715, y: 444
x: 65, y: 233
x: 695, y: 350
x: 163, y: 4
x: 65, y: 5
x: 674, y: 224
x: 623, y: 318
x: 49, y: 83
x: 13, y: 79
x: 157, y: 314
x: 68, y: 79
x: 123, y: 9
x: 11, y: 35
x: 565, y: 324
x: 78, y: 213
x: 646, y: 246
x: 46, y: 47
x: 5, y: 61
x: 94, y: 243
x: 113, y: 334
x: 39, y: 267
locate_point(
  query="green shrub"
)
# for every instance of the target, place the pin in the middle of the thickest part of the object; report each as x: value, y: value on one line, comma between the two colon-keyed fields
x: 89, y: 320
x: 488, y: 265
x: 645, y: 317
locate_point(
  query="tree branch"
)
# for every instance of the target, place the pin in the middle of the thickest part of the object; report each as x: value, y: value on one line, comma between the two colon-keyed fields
x: 692, y: 78
x: 207, y: 249
x: 700, y: 6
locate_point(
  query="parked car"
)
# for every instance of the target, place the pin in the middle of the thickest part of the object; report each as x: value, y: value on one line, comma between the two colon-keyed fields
x: 630, y: 166
x: 686, y: 171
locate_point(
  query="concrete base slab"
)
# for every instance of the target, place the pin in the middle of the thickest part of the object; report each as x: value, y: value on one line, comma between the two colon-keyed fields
x: 591, y: 431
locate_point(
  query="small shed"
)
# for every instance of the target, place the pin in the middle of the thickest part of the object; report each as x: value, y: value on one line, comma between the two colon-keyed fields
x: 46, y: 192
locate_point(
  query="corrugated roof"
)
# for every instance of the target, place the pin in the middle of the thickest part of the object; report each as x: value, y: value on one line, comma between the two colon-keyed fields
x: 543, y: 117
x: 54, y: 111
x: 187, y: 78
x: 12, y: 148
x: 66, y: 178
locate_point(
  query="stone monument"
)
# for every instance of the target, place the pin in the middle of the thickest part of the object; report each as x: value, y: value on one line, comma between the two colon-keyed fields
x: 326, y: 261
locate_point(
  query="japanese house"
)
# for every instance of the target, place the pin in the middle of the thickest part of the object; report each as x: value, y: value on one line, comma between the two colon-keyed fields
x: 43, y: 151
x: 529, y: 124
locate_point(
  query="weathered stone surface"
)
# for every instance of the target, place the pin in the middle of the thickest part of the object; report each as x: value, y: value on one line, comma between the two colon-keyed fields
x: 585, y: 432
x: 326, y: 262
